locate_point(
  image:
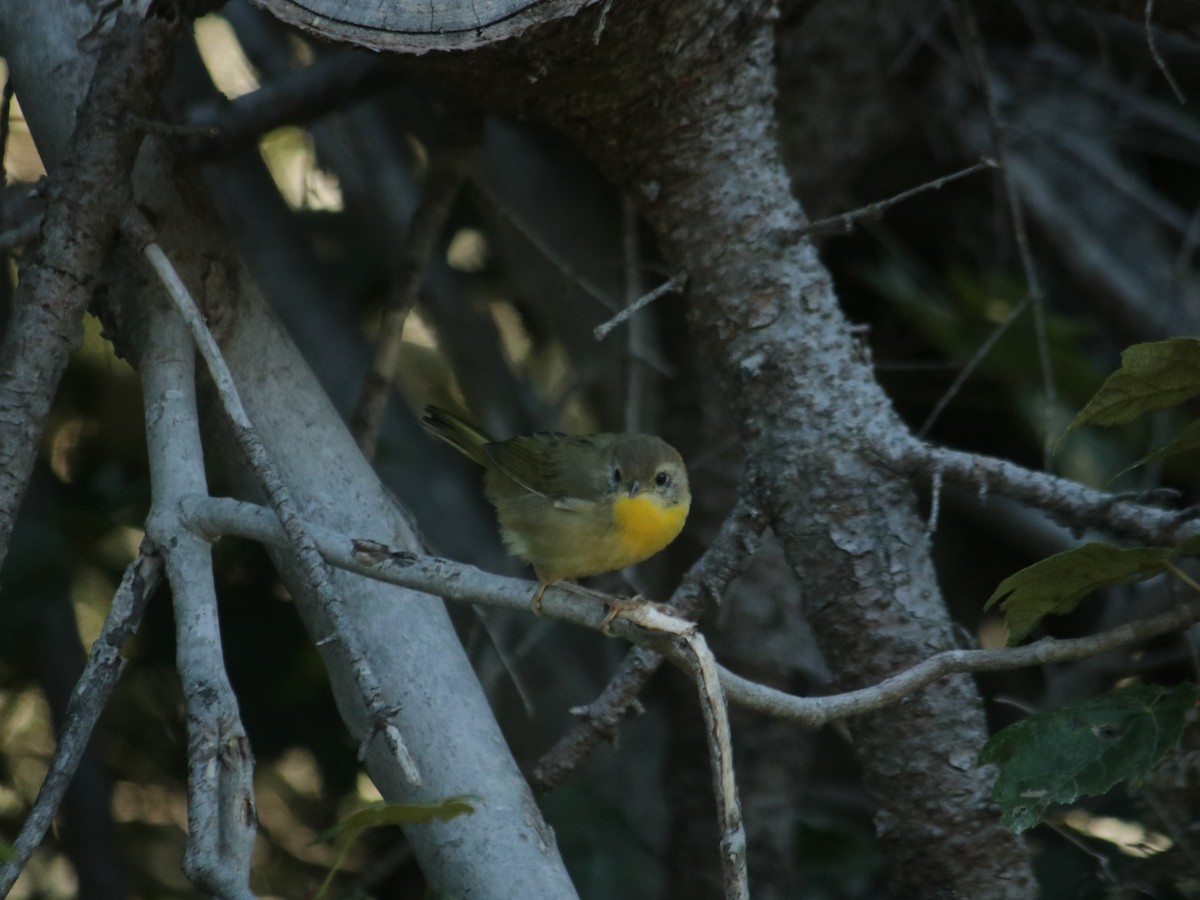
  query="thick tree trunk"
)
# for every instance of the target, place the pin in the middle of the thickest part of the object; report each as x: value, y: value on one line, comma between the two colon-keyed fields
x: 677, y: 105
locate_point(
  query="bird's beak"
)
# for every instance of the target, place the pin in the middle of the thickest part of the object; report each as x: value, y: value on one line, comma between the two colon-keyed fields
x: 634, y: 488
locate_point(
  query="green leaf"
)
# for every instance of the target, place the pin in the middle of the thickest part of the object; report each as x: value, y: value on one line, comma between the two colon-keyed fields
x: 1084, y: 749
x: 1188, y: 439
x: 8, y: 853
x: 1152, y: 377
x: 382, y: 813
x: 1055, y: 585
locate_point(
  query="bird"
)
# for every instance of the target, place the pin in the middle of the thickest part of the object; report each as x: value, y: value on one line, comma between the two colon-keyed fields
x: 575, y: 505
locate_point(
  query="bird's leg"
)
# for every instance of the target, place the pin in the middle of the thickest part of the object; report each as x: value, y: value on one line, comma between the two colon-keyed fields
x: 536, y: 603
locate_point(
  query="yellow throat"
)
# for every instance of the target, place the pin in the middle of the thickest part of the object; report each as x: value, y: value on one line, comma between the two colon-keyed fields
x: 644, y: 525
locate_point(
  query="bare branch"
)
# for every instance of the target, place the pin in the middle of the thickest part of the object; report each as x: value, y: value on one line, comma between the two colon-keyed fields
x: 452, y: 160
x: 815, y: 712
x: 87, y: 197
x: 725, y: 559
x: 1075, y: 504
x: 104, y: 667
x: 330, y: 83
x: 720, y: 751
x: 312, y: 567
x: 978, y: 57
x: 221, y: 811
x: 1158, y: 57
x: 670, y: 286
x: 455, y: 581
x: 845, y: 221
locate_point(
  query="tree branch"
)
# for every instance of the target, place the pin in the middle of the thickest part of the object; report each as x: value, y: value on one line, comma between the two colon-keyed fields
x: 312, y: 567
x: 95, y: 686
x: 1074, y: 504
x: 453, y: 159
x: 726, y: 558
x: 221, y: 808
x: 87, y: 196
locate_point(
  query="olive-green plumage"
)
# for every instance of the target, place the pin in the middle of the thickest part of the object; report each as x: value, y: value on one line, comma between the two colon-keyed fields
x: 576, y: 505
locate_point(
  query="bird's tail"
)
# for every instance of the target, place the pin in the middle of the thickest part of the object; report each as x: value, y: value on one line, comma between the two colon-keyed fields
x: 464, y: 437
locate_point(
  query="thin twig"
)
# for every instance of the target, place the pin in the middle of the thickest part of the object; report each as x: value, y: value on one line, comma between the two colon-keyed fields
x: 635, y: 336
x: 95, y: 686
x: 330, y: 83
x: 973, y: 363
x: 463, y: 583
x: 726, y: 558
x: 720, y: 753
x: 816, y: 712
x: 978, y: 57
x: 672, y: 285
x: 494, y: 205
x: 1158, y: 57
x: 845, y: 221
x: 1083, y: 507
x: 452, y: 160
x: 311, y: 566
x: 6, y: 98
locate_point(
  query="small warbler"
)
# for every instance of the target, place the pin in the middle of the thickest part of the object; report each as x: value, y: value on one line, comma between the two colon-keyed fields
x: 575, y: 505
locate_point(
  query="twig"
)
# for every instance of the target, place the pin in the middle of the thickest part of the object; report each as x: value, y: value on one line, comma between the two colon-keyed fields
x: 978, y: 57
x: 1080, y: 506
x: 674, y: 284
x: 1158, y: 57
x: 311, y: 566
x: 720, y: 752
x: 494, y: 205
x: 328, y: 84
x: 816, y: 712
x: 6, y: 97
x: 452, y: 160
x: 635, y: 336
x: 972, y: 364
x: 845, y: 221
x: 86, y: 200
x: 95, y: 686
x: 725, y: 559
x: 463, y: 583
x: 523, y: 228
x: 221, y: 818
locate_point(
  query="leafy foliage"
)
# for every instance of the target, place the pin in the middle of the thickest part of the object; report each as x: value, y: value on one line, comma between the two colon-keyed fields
x: 1055, y: 585
x: 1152, y: 376
x: 348, y: 829
x: 1084, y: 749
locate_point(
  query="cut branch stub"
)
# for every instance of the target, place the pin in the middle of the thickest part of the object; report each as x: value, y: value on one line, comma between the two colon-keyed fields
x: 410, y: 27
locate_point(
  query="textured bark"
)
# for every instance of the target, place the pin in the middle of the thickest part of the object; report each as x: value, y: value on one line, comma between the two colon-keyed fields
x: 677, y: 106
x: 504, y: 848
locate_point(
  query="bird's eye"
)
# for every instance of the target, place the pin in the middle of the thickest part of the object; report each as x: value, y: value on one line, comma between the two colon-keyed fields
x: 662, y: 479
x: 616, y: 476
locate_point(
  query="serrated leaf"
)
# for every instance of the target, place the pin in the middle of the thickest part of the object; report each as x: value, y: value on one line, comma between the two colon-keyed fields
x: 1083, y: 749
x: 1152, y: 377
x: 1055, y: 585
x: 348, y: 829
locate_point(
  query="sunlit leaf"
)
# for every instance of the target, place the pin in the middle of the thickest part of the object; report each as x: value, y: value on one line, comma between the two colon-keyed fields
x: 1084, y: 749
x: 346, y: 831
x: 1152, y: 377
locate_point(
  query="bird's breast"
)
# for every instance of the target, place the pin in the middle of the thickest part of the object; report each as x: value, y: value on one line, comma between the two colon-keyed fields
x: 643, y: 526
